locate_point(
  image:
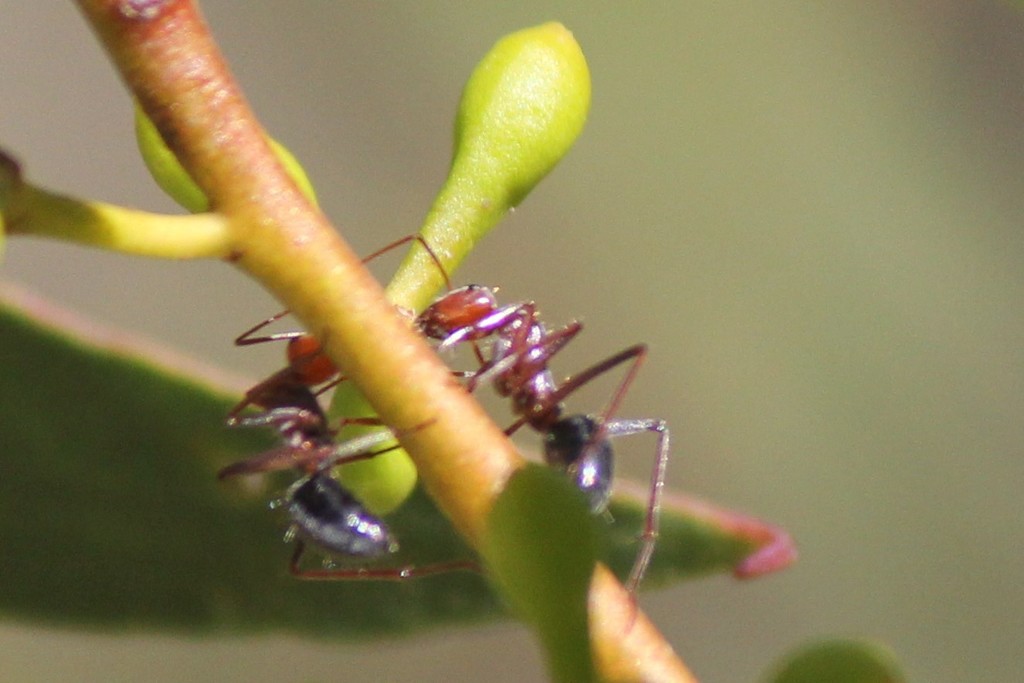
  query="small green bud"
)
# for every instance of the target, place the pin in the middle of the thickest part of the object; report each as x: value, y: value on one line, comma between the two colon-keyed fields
x: 840, y: 661
x: 521, y: 110
x: 176, y: 182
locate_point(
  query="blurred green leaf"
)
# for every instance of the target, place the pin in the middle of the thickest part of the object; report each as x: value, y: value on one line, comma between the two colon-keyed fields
x: 10, y: 178
x: 696, y: 539
x: 540, y: 548
x: 111, y: 515
x: 839, y: 661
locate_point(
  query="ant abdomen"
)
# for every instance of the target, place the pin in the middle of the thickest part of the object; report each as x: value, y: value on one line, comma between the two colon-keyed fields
x: 327, y: 515
x: 575, y: 445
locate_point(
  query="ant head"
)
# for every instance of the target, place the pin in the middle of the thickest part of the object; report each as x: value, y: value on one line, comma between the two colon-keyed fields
x: 459, y: 308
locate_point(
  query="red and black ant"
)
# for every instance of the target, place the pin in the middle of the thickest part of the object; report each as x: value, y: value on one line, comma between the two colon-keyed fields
x: 308, y: 365
x: 517, y: 366
x: 322, y: 512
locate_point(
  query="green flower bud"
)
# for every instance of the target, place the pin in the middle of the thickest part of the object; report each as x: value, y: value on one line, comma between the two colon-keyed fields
x: 521, y: 110
x: 176, y: 182
x: 10, y: 182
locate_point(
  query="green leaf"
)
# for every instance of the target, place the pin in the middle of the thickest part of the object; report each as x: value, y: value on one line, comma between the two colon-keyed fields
x: 696, y: 539
x: 540, y: 548
x: 839, y: 661
x: 111, y: 515
x: 10, y: 179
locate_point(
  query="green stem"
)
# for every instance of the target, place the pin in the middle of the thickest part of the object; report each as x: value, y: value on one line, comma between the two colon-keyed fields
x: 35, y: 212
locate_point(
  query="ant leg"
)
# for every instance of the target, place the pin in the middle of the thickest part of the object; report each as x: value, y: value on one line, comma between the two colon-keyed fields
x: 309, y: 457
x: 375, y: 573
x: 612, y: 428
x: 330, y: 385
x: 515, y: 426
x: 533, y: 357
x: 311, y: 453
x: 419, y: 239
x: 280, y: 458
x: 247, y: 338
x: 368, y: 445
x: 649, y: 537
x: 554, y: 341
x: 635, y: 353
x: 313, y: 457
x: 293, y: 563
x: 359, y: 448
x: 367, y: 421
x: 282, y: 417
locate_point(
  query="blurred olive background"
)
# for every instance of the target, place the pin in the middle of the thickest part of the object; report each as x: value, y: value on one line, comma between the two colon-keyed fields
x: 811, y: 213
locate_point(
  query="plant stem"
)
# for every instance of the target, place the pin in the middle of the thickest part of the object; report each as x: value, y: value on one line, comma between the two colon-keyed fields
x: 170, y: 62
x: 38, y: 213
x: 278, y: 237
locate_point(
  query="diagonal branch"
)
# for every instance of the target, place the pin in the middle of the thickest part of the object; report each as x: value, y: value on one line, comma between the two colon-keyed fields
x: 171, y: 64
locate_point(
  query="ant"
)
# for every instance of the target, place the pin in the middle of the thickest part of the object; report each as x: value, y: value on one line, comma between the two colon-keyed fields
x: 517, y: 366
x: 578, y: 445
x: 308, y: 365
x: 322, y: 512
x: 293, y: 411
